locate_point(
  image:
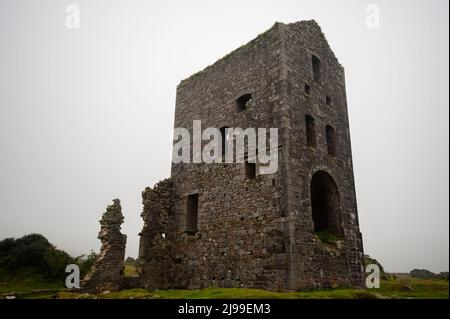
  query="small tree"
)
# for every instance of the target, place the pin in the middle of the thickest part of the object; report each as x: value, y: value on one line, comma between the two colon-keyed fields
x: 86, y: 265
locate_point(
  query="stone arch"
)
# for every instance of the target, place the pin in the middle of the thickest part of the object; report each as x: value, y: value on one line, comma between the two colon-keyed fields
x: 325, y: 204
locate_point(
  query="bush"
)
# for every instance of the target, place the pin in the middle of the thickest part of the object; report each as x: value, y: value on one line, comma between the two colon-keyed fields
x: 86, y: 264
x: 34, y: 251
x: 369, y: 261
x: 384, y: 275
x: 56, y: 262
x: 326, y: 236
x: 443, y: 275
x: 426, y: 274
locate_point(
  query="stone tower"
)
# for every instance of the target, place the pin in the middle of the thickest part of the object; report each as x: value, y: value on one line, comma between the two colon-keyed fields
x: 227, y: 225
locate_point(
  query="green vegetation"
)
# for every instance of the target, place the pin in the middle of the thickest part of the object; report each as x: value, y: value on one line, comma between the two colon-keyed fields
x: 384, y: 275
x: 25, y: 280
x: 225, y: 293
x: 426, y: 274
x: 130, y: 271
x: 33, y: 251
x: 32, y: 263
x: 369, y: 261
x: 415, y: 288
x: 130, y: 266
x: 393, y: 288
x: 86, y: 263
x: 327, y: 237
x: 31, y: 267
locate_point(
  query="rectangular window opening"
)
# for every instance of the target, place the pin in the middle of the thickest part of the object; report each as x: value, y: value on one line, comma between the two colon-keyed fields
x: 250, y: 170
x: 317, y: 76
x: 307, y: 89
x: 192, y: 214
x: 224, y: 140
x: 310, y: 131
x: 331, y: 140
x: 242, y: 102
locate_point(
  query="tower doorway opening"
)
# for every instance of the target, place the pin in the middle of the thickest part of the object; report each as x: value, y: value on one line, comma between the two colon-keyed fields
x: 325, y: 203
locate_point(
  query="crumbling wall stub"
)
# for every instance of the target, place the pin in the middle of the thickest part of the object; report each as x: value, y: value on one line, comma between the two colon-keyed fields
x: 107, y: 271
x: 155, y: 257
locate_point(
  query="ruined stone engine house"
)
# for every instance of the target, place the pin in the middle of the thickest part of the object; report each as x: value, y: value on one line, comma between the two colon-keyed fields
x: 226, y: 225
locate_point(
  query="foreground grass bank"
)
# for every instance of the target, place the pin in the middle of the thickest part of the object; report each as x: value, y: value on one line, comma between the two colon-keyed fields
x: 397, y: 288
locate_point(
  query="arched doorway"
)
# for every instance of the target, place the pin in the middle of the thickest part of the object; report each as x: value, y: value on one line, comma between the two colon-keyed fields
x: 325, y: 204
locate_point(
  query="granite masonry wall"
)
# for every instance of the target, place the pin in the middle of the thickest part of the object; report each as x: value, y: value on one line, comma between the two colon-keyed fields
x: 261, y: 231
x: 313, y: 263
x: 107, y: 272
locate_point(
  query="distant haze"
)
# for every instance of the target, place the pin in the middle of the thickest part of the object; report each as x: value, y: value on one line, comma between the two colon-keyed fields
x: 86, y: 115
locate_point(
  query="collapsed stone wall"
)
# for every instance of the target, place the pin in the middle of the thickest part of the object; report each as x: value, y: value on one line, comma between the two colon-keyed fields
x: 107, y: 271
x: 232, y: 252
x: 155, y: 250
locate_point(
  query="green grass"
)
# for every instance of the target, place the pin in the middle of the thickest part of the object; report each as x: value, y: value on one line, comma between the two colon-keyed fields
x: 24, y: 281
x: 28, y: 284
x: 397, y: 288
x: 224, y: 293
x: 327, y: 237
x: 415, y: 288
x: 130, y: 271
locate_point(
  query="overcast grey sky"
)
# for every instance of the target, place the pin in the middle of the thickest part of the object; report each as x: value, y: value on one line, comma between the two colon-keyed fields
x: 86, y: 114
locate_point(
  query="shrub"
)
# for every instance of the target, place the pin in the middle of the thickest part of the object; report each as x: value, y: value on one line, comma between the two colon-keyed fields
x: 34, y: 251
x: 86, y: 264
x: 326, y: 236
x: 369, y: 261
x: 426, y: 274
x: 56, y: 262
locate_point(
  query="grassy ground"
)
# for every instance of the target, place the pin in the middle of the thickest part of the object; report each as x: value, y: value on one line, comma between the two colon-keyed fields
x: 415, y: 288
x: 34, y: 287
x: 25, y: 281
x: 398, y: 288
x: 130, y: 271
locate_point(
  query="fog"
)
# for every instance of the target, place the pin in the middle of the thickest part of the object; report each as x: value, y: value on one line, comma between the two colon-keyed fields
x: 86, y: 115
